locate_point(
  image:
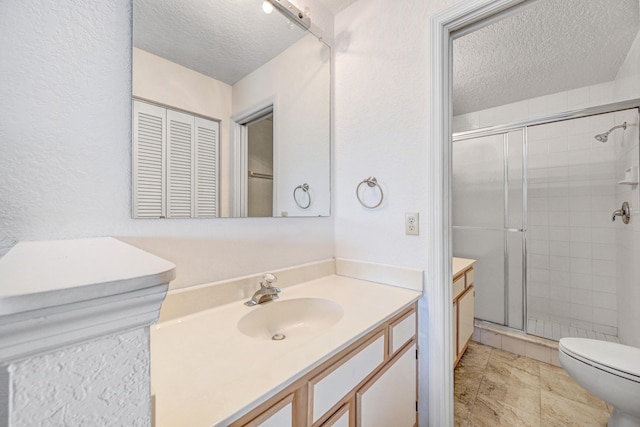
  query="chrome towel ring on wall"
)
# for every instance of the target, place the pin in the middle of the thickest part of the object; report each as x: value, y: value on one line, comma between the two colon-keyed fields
x: 371, y: 182
x: 305, y: 189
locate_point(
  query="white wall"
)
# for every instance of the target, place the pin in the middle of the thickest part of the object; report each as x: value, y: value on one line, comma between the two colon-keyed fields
x: 297, y: 81
x: 381, y: 116
x: 381, y: 121
x: 65, y: 156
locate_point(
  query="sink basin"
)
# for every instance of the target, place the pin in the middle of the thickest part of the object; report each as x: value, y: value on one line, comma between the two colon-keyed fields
x: 294, y: 318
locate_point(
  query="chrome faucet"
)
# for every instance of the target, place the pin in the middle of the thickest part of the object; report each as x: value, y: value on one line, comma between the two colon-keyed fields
x: 266, y: 292
x: 624, y: 212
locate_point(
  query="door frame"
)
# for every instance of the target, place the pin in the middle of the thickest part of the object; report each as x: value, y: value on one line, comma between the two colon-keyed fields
x: 445, y: 26
x: 239, y: 156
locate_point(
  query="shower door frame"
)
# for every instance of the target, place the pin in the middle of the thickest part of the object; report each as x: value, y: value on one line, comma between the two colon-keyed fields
x: 523, y: 125
x: 462, y: 136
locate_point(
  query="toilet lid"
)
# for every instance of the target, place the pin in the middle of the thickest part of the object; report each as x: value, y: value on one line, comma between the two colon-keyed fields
x: 613, y: 357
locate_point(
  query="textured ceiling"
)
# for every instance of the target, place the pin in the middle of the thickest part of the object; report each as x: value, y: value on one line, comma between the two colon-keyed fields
x: 224, y: 39
x: 550, y: 46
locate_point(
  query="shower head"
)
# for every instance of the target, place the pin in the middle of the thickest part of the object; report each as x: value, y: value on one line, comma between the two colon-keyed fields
x: 604, y: 137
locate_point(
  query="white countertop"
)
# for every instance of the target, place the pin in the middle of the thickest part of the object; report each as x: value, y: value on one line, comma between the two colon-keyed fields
x: 42, y: 274
x: 61, y: 292
x: 204, y: 372
x: 459, y: 265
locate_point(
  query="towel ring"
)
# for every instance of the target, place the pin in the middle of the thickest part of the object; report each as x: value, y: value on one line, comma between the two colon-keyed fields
x: 305, y: 189
x: 371, y: 182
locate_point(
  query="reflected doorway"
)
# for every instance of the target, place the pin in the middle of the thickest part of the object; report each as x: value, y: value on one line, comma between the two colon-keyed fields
x: 260, y: 167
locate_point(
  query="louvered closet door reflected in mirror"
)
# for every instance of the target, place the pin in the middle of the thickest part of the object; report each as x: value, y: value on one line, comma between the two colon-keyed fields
x: 175, y: 163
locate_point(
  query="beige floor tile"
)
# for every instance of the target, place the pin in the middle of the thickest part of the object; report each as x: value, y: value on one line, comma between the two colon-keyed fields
x: 555, y: 380
x: 477, y: 355
x: 513, y: 393
x: 560, y: 411
x: 466, y: 385
x: 460, y: 413
x: 500, y: 357
x: 512, y: 373
x: 491, y: 413
x: 496, y: 388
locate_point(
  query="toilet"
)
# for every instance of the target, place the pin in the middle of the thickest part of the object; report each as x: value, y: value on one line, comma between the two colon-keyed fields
x: 608, y: 370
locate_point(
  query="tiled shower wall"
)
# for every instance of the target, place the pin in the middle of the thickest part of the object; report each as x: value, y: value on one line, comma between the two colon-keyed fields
x: 628, y: 236
x: 572, y: 272
x: 581, y: 264
x: 625, y: 86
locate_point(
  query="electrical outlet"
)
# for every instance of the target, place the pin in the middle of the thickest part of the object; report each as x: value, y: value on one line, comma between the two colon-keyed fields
x: 411, y: 223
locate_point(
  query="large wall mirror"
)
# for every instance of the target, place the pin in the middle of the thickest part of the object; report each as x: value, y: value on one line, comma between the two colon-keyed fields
x: 231, y: 112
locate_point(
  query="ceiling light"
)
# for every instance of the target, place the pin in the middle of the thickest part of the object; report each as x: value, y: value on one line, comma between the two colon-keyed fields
x: 267, y: 6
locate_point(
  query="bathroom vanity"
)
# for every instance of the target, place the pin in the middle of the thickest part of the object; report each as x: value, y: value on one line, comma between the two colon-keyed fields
x: 372, y: 382
x: 463, y: 298
x: 219, y: 367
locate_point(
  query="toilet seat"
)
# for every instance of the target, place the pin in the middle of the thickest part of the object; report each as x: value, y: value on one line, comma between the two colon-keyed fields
x: 617, y: 359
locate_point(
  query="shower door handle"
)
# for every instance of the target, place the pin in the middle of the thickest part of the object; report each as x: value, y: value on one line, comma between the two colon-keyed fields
x: 624, y: 212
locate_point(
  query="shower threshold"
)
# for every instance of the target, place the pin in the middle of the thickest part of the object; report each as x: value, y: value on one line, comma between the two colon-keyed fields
x: 556, y: 330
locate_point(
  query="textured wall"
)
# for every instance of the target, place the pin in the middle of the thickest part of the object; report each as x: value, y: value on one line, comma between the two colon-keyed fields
x: 65, y: 156
x: 382, y: 116
x: 381, y: 119
x: 100, y: 383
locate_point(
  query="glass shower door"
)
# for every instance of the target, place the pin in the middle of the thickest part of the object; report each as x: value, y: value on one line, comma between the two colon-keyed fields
x: 488, y: 221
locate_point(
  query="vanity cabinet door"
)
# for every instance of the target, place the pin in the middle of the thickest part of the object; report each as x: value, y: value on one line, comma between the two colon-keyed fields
x: 279, y: 415
x: 328, y: 388
x: 341, y: 417
x: 463, y: 313
x: 465, y: 319
x: 389, y: 398
x: 454, y: 329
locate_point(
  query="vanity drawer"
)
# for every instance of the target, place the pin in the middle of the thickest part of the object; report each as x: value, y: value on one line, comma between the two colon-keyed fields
x: 328, y: 388
x: 469, y: 275
x: 458, y: 285
x: 279, y: 415
x: 401, y: 332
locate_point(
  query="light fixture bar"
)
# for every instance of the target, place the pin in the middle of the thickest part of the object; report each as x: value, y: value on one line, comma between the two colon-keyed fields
x: 292, y: 13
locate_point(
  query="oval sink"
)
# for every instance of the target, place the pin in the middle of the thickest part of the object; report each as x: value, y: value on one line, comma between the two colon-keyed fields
x: 294, y: 318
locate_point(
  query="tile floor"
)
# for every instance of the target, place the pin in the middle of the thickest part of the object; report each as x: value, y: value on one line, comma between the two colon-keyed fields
x: 497, y: 388
x: 555, y: 331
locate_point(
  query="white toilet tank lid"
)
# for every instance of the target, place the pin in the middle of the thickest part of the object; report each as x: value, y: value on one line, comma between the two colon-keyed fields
x: 614, y: 356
